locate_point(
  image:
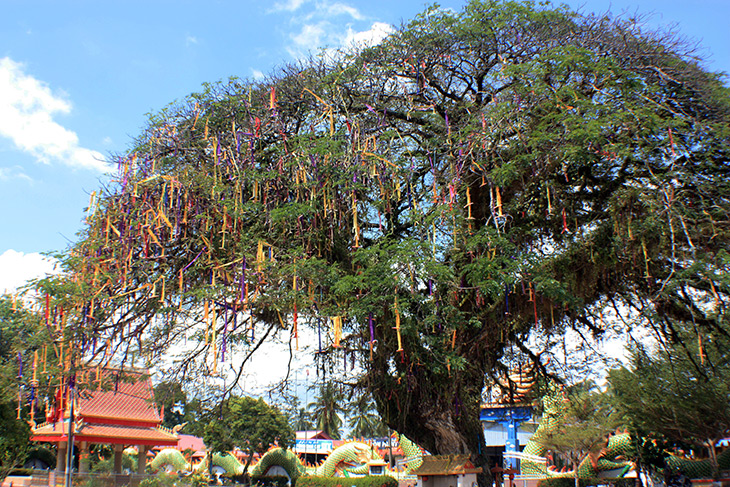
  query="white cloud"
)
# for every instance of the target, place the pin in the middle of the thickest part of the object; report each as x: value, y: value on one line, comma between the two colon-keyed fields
x: 257, y: 75
x: 27, y: 108
x: 326, y: 24
x: 335, y: 9
x: 15, y: 172
x: 189, y: 40
x: 310, y: 37
x: 368, y: 38
x: 326, y: 35
x: 17, y: 268
x: 287, y: 6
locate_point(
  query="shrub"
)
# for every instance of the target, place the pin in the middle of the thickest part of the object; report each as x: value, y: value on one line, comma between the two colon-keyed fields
x: 262, y: 480
x: 21, y: 472
x: 369, y: 481
x: 271, y: 481
x: 103, y: 466
x: 159, y: 480
x: 43, y: 454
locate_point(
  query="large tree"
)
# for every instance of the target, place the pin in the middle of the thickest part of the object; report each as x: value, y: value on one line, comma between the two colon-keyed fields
x: 421, y: 204
x: 246, y: 423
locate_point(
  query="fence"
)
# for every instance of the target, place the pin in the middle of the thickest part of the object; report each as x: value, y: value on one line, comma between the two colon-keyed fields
x: 50, y: 478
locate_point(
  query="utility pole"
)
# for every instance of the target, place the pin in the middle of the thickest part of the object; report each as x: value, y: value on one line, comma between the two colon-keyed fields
x: 70, y: 445
x: 390, y: 449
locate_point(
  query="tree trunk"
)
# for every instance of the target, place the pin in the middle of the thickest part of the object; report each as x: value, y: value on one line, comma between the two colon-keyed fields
x: 440, y: 433
x: 246, y: 475
x: 713, y: 458
x: 441, y: 416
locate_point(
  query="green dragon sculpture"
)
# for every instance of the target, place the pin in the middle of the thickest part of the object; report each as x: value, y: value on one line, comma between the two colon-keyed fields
x: 611, y: 460
x: 350, y: 459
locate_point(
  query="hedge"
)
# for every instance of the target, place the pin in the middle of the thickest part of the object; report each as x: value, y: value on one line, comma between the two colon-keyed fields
x: 21, y: 472
x: 262, y: 480
x: 368, y: 481
x: 570, y: 482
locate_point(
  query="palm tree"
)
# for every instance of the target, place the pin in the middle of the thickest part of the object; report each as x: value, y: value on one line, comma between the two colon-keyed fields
x: 301, y: 420
x: 326, y: 409
x: 364, y: 419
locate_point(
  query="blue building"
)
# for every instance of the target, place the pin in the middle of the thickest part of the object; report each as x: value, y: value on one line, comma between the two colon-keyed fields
x: 507, y: 428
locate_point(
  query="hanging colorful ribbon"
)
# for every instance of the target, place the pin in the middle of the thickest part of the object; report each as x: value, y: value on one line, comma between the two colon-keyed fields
x: 397, y: 325
x: 337, y: 330
x: 372, y: 334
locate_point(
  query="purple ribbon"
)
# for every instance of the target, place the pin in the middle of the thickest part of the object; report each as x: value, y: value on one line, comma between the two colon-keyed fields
x: 243, y: 279
x: 370, y: 325
x: 193, y: 261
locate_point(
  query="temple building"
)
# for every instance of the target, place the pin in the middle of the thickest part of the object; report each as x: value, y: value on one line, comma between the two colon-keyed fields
x: 112, y: 407
x: 507, y: 417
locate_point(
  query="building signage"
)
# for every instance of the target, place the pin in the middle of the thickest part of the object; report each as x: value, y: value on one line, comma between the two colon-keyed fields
x: 313, y: 446
x: 383, y: 442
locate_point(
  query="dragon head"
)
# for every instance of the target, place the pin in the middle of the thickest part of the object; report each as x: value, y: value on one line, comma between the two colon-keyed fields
x: 355, y: 454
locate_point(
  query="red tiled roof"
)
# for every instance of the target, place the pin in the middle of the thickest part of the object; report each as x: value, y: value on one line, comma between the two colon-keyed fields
x: 189, y: 441
x: 312, y: 435
x: 123, y: 396
x: 106, y: 433
x: 446, y: 465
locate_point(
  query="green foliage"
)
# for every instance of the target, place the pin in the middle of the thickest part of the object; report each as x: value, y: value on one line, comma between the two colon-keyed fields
x: 300, y: 419
x: 160, y: 480
x: 570, y: 482
x: 173, y: 399
x: 263, y: 480
x: 100, y: 452
x: 21, y: 334
x: 247, y: 423
x: 129, y: 462
x: 217, y: 435
x: 43, y: 454
x: 651, y: 450
x: 14, y: 441
x: 105, y: 466
x: 678, y: 391
x: 326, y: 409
x: 367, y: 481
x: 364, y: 420
x: 273, y: 481
x: 580, y: 427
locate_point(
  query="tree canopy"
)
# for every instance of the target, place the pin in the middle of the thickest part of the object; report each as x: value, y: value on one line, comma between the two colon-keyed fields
x: 326, y: 409
x: 178, y: 410
x: 581, y: 426
x: 14, y: 442
x: 422, y: 205
x: 682, y: 396
x: 364, y: 420
x: 246, y: 423
x: 22, y: 337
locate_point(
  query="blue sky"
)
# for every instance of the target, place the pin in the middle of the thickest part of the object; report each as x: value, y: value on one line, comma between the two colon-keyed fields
x: 77, y: 79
